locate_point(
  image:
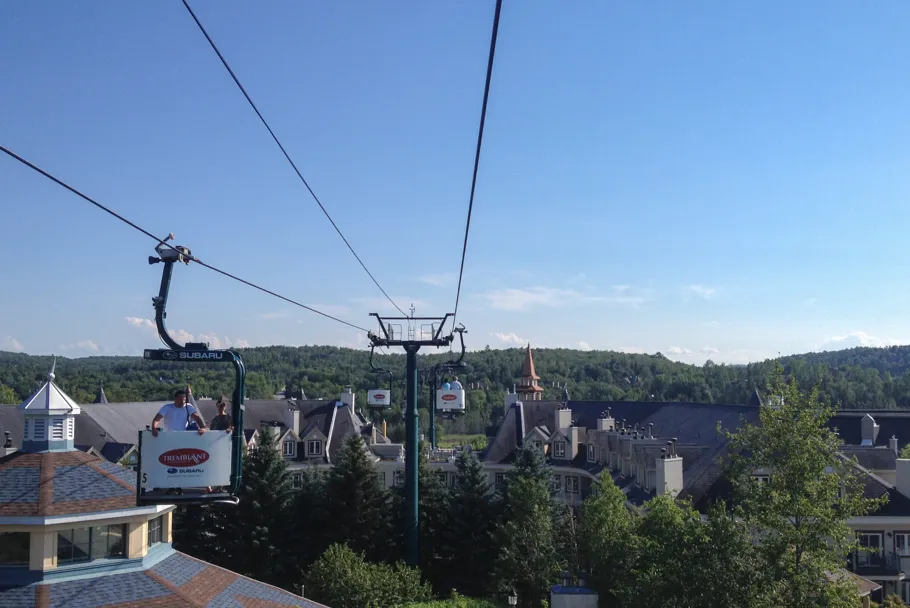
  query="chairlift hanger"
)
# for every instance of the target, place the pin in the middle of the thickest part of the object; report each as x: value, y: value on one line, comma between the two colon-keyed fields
x: 451, y: 403
x: 187, y: 444
x: 388, y: 396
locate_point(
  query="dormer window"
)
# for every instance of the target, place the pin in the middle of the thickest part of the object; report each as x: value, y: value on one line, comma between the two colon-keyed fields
x: 536, y: 444
x: 592, y: 453
x: 314, y: 448
x: 559, y: 449
x: 289, y: 448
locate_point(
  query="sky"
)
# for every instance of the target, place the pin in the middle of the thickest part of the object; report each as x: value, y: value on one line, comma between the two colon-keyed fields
x: 716, y: 180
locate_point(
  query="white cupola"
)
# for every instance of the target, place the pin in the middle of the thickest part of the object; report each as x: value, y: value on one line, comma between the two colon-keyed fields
x: 48, y: 418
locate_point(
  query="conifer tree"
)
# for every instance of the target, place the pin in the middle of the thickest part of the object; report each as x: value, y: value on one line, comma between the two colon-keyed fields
x: 530, y: 463
x: 200, y: 533
x: 359, y: 503
x: 257, y: 526
x: 469, y: 547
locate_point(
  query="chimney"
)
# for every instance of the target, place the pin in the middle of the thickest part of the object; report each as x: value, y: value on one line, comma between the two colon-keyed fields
x: 347, y: 397
x: 292, y: 418
x: 892, y: 443
x: 902, y: 476
x: 574, y: 440
x: 623, y: 425
x: 605, y: 422
x: 650, y: 430
x: 373, y: 435
x: 870, y: 430
x: 7, y: 445
x: 384, y: 433
x: 510, y: 400
x: 563, y: 418
x: 669, y: 476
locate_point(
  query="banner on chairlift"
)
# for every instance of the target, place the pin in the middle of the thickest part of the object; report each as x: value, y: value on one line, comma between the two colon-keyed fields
x: 379, y: 397
x: 185, y: 459
x: 449, y: 399
x: 202, y: 356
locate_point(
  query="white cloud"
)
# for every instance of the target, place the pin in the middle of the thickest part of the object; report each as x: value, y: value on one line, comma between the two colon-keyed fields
x: 83, y: 345
x: 510, y: 338
x: 439, y: 280
x: 12, y: 344
x: 524, y: 299
x: 140, y: 322
x: 679, y: 351
x: 857, y: 338
x: 584, y: 345
x: 181, y: 335
x: 710, y: 350
x: 702, y: 291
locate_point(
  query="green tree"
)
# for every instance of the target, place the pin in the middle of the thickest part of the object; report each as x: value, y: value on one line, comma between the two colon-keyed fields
x: 607, y: 541
x: 469, y: 547
x: 527, y: 558
x: 200, y: 531
x: 566, y: 538
x: 257, y: 526
x: 341, y: 578
x: 530, y: 463
x: 359, y: 501
x: 8, y: 395
x: 801, y: 513
x: 905, y: 452
x: 305, y: 543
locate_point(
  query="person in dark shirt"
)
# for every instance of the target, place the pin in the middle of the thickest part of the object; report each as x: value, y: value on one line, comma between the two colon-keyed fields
x: 221, y: 422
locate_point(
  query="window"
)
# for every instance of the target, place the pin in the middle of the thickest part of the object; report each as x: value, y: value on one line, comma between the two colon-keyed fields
x: 56, y: 433
x: 536, y: 444
x: 902, y: 543
x: 14, y: 548
x: 555, y: 483
x: 571, y: 484
x: 870, y: 547
x: 500, y: 479
x: 296, y: 480
x: 761, y: 478
x: 314, y: 447
x: 38, y: 429
x: 87, y: 544
x: 398, y: 478
x: 156, y: 529
x: 559, y: 449
x: 288, y: 448
x: 592, y: 453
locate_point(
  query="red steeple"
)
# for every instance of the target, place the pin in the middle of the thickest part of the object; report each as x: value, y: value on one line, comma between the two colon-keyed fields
x: 527, y: 385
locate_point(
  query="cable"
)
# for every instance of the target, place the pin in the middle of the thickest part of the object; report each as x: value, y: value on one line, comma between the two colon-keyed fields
x: 156, y: 239
x: 286, y: 155
x: 483, y: 119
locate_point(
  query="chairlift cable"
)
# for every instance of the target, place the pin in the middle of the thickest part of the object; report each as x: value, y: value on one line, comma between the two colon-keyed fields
x: 483, y: 118
x: 158, y: 240
x: 286, y: 155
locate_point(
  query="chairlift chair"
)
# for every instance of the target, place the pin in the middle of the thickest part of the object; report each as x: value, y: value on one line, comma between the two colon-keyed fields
x: 185, y: 461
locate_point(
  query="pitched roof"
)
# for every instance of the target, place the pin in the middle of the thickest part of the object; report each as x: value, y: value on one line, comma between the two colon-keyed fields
x: 50, y: 398
x: 100, y: 397
x: 175, y: 582
x: 527, y: 368
x: 63, y: 483
x: 870, y: 457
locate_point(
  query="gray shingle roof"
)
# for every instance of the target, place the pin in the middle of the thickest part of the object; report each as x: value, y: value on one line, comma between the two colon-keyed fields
x: 178, y: 580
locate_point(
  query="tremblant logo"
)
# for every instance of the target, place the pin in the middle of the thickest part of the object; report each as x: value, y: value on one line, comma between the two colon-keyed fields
x: 183, y: 457
x: 379, y: 396
x: 449, y: 397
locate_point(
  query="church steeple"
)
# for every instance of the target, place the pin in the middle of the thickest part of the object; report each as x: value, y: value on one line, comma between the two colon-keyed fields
x: 48, y: 424
x: 528, y: 390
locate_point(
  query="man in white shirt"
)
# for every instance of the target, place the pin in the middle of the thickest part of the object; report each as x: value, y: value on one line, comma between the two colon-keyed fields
x: 176, y: 416
x: 456, y: 385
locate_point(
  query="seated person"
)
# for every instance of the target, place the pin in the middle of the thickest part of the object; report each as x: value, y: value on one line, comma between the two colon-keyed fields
x: 176, y: 416
x: 456, y: 385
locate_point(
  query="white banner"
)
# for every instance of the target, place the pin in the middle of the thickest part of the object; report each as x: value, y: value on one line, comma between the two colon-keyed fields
x: 185, y: 459
x: 379, y: 397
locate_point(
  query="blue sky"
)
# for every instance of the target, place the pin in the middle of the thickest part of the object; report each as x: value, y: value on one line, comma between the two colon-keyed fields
x: 707, y: 179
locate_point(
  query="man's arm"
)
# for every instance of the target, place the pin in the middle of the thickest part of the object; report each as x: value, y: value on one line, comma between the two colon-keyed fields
x: 155, y: 420
x: 199, y: 422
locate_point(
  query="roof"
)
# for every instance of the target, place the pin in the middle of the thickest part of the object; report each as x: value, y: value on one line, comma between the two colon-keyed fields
x: 50, y: 399
x: 63, y: 483
x: 870, y: 457
x: 100, y: 397
x: 527, y: 368
x: 175, y: 582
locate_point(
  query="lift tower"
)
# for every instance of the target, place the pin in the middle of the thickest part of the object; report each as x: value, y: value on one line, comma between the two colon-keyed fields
x: 428, y: 334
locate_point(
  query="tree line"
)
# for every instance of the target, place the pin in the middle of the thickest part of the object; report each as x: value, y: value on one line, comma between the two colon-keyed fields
x: 338, y: 535
x: 859, y: 378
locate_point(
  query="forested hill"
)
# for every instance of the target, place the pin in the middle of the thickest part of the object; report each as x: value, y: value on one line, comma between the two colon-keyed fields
x: 855, y: 378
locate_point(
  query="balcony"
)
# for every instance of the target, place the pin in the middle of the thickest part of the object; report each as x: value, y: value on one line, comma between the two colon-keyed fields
x: 876, y: 564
